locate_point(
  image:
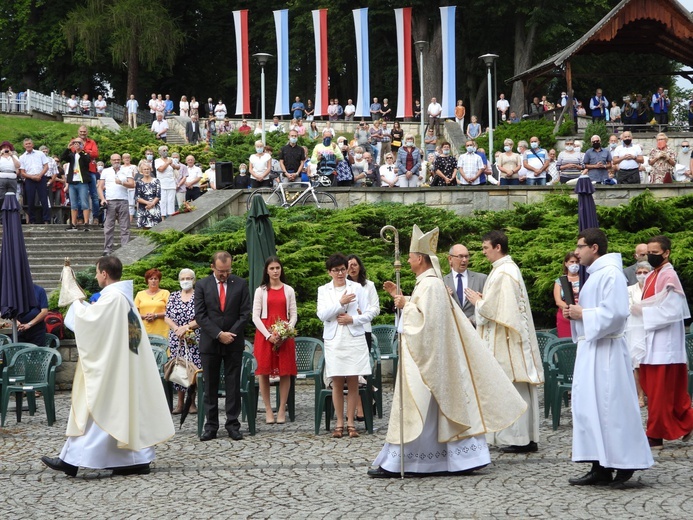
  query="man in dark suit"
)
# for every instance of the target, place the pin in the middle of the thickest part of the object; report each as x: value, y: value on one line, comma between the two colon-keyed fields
x: 209, y: 108
x: 192, y: 130
x: 459, y: 278
x: 222, y: 309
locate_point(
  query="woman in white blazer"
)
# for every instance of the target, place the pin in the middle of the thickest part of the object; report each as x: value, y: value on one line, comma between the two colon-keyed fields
x: 343, y: 308
x: 274, y: 300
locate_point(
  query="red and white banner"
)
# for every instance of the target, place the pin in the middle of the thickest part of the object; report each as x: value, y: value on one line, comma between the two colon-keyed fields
x: 240, y: 21
x: 404, y: 66
x: 321, y: 80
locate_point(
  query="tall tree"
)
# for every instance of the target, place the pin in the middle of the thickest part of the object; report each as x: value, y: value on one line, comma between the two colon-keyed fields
x: 139, y: 34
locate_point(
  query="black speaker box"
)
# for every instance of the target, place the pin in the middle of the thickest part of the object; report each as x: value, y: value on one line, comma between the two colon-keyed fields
x: 224, y: 172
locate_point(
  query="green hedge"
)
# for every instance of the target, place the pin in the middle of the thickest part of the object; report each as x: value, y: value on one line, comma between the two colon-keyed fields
x: 539, y: 235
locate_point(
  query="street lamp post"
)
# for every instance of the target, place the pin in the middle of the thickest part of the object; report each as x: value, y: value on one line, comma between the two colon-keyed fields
x: 262, y: 59
x: 489, y: 60
x: 420, y: 45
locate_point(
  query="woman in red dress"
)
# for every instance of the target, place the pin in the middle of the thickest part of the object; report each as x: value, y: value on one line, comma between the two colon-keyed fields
x: 274, y: 300
x: 571, y: 269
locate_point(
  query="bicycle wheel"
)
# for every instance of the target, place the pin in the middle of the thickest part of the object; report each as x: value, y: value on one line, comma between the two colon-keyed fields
x: 269, y: 195
x: 320, y: 199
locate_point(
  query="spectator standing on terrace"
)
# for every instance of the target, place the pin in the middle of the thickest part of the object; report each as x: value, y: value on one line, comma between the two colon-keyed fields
x: 85, y: 105
x: 684, y: 163
x: 132, y: 105
x: 34, y: 166
x: 434, y: 111
x: 536, y: 160
x: 509, y: 164
x: 297, y: 108
x: 160, y: 127
x: 597, y: 161
x: 375, y: 109
x: 113, y: 191
x: 502, y: 105
x: 408, y: 164
x: 570, y: 162
x: 349, y: 110
x: 460, y: 111
x: 628, y: 157
x: 662, y: 160
x: 660, y: 107
x: 152, y: 106
x: 470, y: 166
x: 100, y: 106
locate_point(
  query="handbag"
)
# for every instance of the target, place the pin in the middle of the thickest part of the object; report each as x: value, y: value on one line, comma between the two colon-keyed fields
x: 181, y: 371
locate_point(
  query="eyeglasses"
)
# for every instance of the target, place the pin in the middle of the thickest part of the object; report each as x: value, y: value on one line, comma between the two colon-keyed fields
x: 461, y: 257
x: 580, y: 246
x: 340, y: 270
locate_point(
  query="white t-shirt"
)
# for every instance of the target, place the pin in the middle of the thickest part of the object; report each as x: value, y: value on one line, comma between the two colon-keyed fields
x: 115, y: 191
x: 260, y: 163
x: 502, y: 105
x: 194, y: 174
x: 7, y: 167
x: 100, y: 106
x: 388, y: 173
x: 434, y: 109
x: 349, y: 110
x: 72, y: 105
x: 168, y: 182
x: 627, y: 164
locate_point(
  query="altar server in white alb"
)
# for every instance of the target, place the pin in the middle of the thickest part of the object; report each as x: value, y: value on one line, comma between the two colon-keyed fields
x: 505, y: 324
x: 607, y: 429
x: 454, y: 391
x: 119, y: 410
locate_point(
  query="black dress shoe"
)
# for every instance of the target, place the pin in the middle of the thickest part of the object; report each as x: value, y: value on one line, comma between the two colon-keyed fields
x: 137, y: 469
x: 597, y: 476
x: 527, y: 448
x: 622, y: 476
x: 208, y: 435
x: 382, y: 473
x: 236, y: 435
x: 59, y: 464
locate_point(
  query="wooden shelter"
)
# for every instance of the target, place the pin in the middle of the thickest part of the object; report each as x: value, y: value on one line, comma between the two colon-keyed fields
x: 661, y: 27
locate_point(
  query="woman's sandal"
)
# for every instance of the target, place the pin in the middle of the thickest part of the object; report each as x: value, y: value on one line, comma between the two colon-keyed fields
x: 338, y: 432
x: 352, y: 432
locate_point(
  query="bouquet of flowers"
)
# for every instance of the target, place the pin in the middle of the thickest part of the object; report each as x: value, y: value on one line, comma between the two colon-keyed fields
x: 283, y: 330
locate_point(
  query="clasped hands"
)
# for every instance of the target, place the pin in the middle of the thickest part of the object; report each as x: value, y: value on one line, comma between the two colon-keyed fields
x: 572, y: 312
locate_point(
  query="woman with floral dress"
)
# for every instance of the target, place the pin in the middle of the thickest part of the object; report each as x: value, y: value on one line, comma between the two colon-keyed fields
x: 147, y: 197
x: 184, y: 334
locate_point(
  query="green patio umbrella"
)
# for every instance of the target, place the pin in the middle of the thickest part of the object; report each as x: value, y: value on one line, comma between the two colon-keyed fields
x: 259, y: 236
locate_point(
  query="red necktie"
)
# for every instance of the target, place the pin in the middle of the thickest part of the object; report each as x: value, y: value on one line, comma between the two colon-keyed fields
x: 222, y: 296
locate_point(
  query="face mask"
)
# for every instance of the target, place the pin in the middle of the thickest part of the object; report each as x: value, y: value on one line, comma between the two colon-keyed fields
x: 596, y: 145
x: 573, y: 268
x: 242, y: 170
x: 99, y: 169
x: 409, y: 143
x: 259, y: 149
x: 471, y: 149
x: 327, y: 141
x: 358, y: 155
x: 150, y: 157
x: 164, y: 154
x: 176, y: 160
x: 685, y: 149
x: 534, y: 145
x: 655, y: 260
x: 613, y: 146
x: 641, y: 278
x: 569, y: 148
x: 519, y: 150
x: 186, y: 284
x: 212, y: 166
x: 446, y: 151
x: 293, y: 140
x: 507, y: 148
x: 627, y: 142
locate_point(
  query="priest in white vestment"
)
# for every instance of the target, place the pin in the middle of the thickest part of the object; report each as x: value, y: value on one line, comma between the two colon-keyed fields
x: 454, y: 391
x: 607, y: 428
x: 505, y: 324
x: 119, y: 410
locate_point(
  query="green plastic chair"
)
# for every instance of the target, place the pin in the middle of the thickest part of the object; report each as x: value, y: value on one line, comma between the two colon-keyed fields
x: 387, y: 342
x: 248, y: 398
x: 689, y: 352
x: 249, y: 346
x: 52, y: 341
x: 158, y: 341
x: 4, y: 339
x: 562, y: 366
x: 7, y: 352
x: 323, y: 403
x: 161, y: 358
x: 37, y: 365
x: 307, y: 350
x: 553, y: 331
x: 543, y: 339
x: 549, y: 379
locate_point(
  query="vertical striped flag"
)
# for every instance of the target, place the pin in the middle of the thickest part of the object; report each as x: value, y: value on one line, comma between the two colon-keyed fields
x: 321, y: 81
x: 240, y: 21
x: 447, y: 22
x: 363, y: 93
x: 404, y: 66
x: 281, y: 24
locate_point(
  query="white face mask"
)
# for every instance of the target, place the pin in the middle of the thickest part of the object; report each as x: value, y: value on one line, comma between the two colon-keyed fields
x: 569, y: 148
x: 176, y: 160
x: 641, y: 278
x: 186, y: 285
x: 573, y: 268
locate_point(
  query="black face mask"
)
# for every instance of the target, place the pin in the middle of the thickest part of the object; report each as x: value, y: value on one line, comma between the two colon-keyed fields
x: 655, y: 260
x: 596, y: 145
x: 627, y: 142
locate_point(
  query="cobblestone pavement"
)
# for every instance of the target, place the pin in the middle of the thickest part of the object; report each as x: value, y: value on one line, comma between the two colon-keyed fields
x: 285, y: 471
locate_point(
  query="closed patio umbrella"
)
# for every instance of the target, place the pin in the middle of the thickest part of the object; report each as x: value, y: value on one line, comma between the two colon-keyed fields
x: 587, y: 212
x: 16, y: 286
x: 259, y: 236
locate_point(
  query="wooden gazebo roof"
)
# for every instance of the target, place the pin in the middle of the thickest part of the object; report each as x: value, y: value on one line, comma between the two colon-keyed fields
x: 661, y: 27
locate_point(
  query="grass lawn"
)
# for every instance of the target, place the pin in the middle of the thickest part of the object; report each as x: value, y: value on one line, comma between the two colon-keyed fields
x: 16, y: 128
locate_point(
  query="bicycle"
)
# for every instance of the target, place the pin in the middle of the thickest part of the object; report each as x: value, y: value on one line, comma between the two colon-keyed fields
x: 280, y: 196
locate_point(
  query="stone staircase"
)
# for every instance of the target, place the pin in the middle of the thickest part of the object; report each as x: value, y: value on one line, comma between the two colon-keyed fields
x: 48, y: 245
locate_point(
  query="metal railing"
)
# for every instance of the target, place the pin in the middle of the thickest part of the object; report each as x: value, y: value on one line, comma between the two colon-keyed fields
x: 32, y: 101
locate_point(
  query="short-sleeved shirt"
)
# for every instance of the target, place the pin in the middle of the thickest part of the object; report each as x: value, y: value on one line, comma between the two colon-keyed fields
x: 116, y: 191
x: 470, y: 163
x: 593, y: 156
x: 509, y: 161
x: 536, y: 158
x: 32, y: 163
x: 292, y: 156
x: 628, y: 164
x: 574, y: 157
